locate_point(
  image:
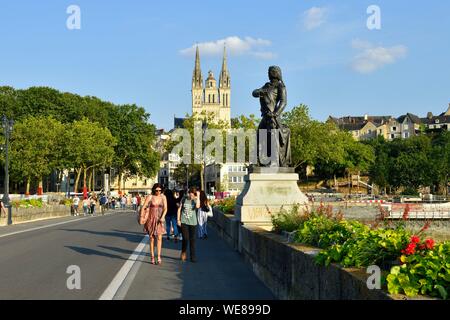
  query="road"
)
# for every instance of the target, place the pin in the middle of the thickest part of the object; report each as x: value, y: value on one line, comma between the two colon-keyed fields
x: 34, y: 259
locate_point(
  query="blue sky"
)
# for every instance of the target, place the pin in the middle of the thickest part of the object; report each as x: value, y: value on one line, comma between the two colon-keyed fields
x: 138, y: 52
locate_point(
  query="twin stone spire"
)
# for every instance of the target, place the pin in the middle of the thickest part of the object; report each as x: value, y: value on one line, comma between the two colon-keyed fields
x: 207, y: 98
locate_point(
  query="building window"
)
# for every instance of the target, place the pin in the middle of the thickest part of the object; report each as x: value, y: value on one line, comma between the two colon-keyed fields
x: 405, y: 127
x: 406, y: 135
x: 394, y: 128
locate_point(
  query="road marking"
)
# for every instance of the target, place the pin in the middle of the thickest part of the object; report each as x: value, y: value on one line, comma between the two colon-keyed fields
x: 51, y: 225
x: 120, y: 277
x: 39, y: 228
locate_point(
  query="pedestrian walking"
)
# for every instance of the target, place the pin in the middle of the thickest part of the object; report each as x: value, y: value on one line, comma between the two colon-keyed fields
x: 187, y: 219
x: 113, y: 203
x: 75, y: 204
x: 86, y: 204
x: 171, y: 216
x: 138, y: 200
x: 103, y: 203
x: 134, y: 203
x: 154, y: 226
x: 123, y: 202
x: 203, y: 212
x: 93, y: 202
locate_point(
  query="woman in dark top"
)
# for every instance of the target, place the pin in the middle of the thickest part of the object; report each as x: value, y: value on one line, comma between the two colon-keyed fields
x: 171, y: 216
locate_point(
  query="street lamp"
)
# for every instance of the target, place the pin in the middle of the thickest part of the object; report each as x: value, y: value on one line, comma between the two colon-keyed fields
x: 7, y: 125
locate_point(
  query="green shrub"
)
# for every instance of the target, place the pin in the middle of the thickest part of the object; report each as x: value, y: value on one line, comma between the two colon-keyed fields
x: 288, y: 220
x: 426, y: 271
x: 227, y: 205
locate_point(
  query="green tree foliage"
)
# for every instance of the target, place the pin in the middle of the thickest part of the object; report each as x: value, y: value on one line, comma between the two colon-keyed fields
x: 88, y: 145
x: 36, y: 148
x: 133, y: 134
x: 311, y: 140
x: 134, y: 152
x: 411, y: 164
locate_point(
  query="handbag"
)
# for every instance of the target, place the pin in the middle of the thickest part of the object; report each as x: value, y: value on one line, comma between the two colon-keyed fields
x: 144, y: 213
x: 210, y: 213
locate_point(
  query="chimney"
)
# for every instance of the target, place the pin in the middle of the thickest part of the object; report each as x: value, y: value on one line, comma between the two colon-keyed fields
x: 448, y: 110
x: 366, y: 117
x: 430, y: 115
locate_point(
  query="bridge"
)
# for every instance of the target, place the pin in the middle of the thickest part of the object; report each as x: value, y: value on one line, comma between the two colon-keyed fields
x: 110, y: 254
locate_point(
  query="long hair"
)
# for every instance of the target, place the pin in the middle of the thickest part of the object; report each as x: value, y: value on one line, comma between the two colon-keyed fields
x: 204, y: 201
x: 275, y: 73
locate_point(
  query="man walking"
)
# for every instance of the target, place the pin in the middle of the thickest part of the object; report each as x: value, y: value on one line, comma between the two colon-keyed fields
x: 75, y: 203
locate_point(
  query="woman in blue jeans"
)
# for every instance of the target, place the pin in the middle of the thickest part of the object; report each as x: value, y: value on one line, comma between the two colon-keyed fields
x: 171, y: 216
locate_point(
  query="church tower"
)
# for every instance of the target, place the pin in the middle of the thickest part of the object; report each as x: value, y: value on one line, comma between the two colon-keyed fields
x: 197, y: 85
x: 224, y: 82
x: 209, y: 98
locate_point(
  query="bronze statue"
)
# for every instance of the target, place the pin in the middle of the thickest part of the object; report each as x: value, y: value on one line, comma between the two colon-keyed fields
x: 274, y: 145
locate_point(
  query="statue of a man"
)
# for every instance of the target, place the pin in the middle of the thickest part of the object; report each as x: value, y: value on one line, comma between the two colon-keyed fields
x: 274, y: 147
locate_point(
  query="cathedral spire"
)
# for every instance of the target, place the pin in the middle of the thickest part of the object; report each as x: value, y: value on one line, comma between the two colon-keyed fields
x: 197, y: 79
x: 224, y: 79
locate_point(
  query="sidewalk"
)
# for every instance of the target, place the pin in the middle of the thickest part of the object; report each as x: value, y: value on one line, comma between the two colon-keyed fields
x: 219, y: 274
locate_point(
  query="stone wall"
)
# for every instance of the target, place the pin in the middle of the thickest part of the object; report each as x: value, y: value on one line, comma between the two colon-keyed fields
x: 29, y: 214
x: 289, y: 270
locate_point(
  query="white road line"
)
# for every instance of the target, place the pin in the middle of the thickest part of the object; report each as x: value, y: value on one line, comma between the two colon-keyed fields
x: 120, y: 277
x: 51, y: 225
x: 38, y: 228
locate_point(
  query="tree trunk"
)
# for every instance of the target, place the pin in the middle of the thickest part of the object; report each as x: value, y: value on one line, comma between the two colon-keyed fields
x: 77, y: 180
x: 90, y: 180
x: 40, y: 190
x: 27, y: 190
x: 120, y: 181
x: 84, y: 182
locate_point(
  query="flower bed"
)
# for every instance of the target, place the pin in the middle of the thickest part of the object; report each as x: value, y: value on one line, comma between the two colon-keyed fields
x: 413, y: 266
x: 29, y: 203
x: 226, y: 205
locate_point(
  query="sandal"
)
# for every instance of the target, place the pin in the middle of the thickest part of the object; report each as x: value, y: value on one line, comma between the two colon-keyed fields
x: 158, y: 261
x: 152, y: 260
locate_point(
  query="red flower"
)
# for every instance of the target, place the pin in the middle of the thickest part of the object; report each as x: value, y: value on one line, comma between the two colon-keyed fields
x: 415, y: 239
x: 410, y: 249
x: 422, y: 247
x: 429, y: 243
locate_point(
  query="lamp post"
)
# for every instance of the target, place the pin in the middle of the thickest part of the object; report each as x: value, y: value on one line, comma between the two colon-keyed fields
x: 7, y: 127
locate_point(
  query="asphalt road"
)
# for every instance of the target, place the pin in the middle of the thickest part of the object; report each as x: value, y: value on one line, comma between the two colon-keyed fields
x: 34, y: 259
x: 33, y: 264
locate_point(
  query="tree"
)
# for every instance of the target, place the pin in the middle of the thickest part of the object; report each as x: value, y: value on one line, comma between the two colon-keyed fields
x: 36, y: 148
x: 311, y: 140
x: 441, y: 160
x: 88, y: 145
x: 134, y: 152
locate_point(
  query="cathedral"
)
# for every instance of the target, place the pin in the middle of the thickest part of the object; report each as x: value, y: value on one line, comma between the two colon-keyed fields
x: 206, y: 96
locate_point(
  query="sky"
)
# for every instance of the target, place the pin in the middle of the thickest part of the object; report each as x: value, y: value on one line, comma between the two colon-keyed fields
x: 141, y: 51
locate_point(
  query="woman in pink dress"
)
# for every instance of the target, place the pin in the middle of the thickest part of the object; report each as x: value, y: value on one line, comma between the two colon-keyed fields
x: 157, y: 218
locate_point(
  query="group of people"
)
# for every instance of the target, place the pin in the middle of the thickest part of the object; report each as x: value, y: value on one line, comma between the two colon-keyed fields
x: 89, y: 204
x: 183, y: 213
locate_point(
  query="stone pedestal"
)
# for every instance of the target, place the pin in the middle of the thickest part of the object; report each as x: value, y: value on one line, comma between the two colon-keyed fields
x: 267, y: 190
